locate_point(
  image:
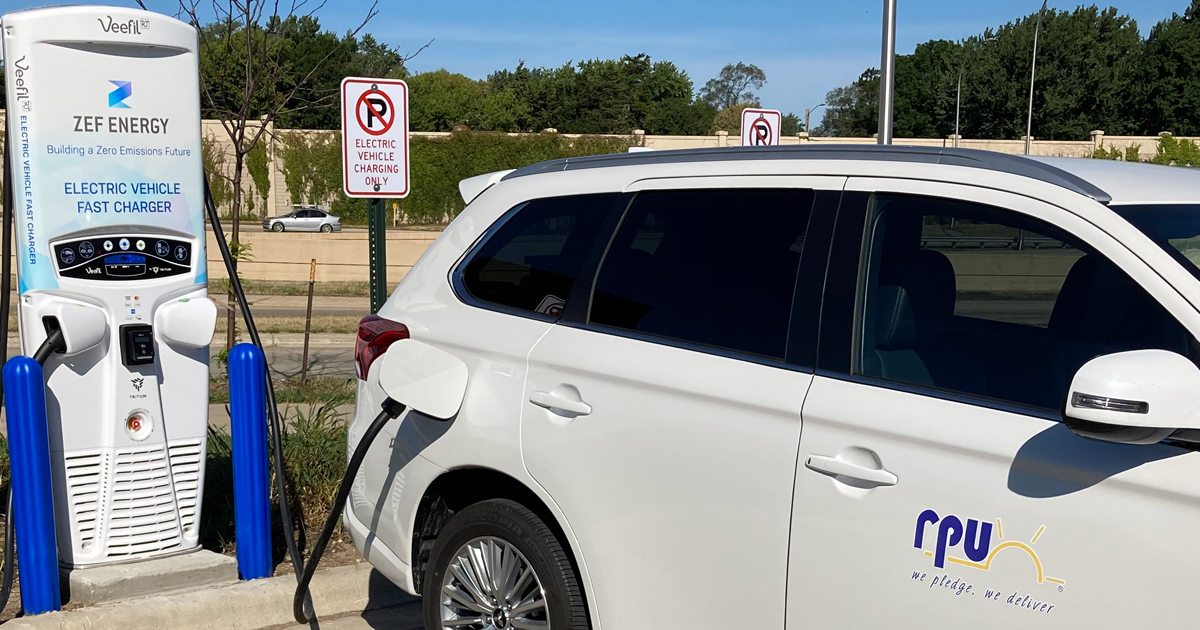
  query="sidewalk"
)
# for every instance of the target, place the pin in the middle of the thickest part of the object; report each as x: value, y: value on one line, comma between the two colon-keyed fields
x: 340, y: 597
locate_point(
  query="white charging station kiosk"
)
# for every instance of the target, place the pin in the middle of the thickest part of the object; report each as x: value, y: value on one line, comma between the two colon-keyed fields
x: 103, y: 121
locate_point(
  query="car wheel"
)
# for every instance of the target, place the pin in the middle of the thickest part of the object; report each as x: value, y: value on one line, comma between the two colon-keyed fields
x: 277, y: 227
x: 325, y: 227
x: 497, y: 565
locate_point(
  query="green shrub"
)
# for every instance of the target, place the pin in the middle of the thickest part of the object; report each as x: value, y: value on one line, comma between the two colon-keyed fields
x: 256, y: 164
x: 1177, y: 151
x: 312, y: 167
x: 1132, y: 153
x: 212, y: 155
x: 314, y: 453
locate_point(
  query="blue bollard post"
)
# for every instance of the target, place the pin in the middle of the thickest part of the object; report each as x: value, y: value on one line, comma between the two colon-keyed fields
x: 32, y: 488
x: 251, y: 483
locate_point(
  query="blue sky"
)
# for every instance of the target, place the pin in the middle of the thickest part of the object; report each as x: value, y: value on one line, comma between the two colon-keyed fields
x: 806, y: 48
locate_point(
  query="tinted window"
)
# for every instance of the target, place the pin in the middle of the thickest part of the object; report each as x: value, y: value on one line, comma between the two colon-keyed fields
x: 533, y: 259
x: 710, y: 267
x: 983, y: 301
x: 1175, y: 228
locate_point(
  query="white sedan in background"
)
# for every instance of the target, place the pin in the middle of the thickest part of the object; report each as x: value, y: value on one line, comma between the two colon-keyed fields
x: 303, y: 220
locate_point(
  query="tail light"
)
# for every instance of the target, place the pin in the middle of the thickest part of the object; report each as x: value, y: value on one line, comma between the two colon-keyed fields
x: 375, y: 334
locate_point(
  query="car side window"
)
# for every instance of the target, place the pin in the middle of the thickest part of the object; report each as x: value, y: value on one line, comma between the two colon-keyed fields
x: 710, y: 267
x: 992, y: 303
x: 532, y: 260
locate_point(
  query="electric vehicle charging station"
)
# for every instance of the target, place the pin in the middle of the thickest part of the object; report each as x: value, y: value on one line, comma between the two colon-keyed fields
x: 108, y: 195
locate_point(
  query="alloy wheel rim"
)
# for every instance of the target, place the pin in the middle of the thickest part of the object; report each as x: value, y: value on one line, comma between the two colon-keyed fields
x: 490, y: 585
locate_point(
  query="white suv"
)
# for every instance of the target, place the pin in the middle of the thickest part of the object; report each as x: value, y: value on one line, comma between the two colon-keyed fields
x: 800, y: 388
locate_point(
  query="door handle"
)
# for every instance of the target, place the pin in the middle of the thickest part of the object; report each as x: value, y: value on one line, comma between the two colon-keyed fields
x: 555, y: 403
x: 836, y: 467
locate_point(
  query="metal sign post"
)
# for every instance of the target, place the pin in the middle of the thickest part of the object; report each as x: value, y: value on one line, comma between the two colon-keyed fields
x: 377, y: 228
x: 375, y: 160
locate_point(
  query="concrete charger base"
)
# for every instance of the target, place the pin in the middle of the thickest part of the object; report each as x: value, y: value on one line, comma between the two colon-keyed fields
x: 145, y: 578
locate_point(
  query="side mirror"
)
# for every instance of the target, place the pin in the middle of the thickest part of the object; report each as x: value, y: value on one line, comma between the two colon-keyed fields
x: 188, y: 322
x: 83, y: 326
x: 424, y: 378
x: 1138, y: 397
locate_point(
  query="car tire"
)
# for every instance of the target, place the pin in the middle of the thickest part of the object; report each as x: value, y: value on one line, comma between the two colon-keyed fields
x: 509, y: 530
x: 326, y: 228
x: 277, y: 227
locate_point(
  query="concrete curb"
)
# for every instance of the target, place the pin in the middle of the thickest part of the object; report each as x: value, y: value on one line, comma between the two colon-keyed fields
x: 243, y: 606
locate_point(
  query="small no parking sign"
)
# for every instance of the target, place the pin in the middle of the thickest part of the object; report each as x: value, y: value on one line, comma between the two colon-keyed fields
x: 760, y: 127
x: 374, y: 137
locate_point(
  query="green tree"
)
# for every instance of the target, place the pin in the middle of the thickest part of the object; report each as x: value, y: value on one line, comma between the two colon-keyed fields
x: 1089, y: 64
x: 604, y: 96
x: 852, y: 111
x: 439, y: 100
x: 1171, y: 74
x: 733, y: 84
x: 730, y: 119
x: 257, y: 64
x: 791, y: 125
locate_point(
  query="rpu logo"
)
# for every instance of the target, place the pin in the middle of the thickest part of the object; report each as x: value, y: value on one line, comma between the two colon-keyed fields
x: 975, y: 538
x: 116, y: 98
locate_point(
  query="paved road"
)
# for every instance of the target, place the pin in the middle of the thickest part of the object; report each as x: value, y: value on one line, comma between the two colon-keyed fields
x: 328, y: 355
x: 403, y: 617
x: 262, y: 305
x: 294, y: 304
x: 323, y: 360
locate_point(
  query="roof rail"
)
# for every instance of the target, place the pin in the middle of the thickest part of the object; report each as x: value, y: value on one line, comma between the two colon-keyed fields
x: 973, y: 158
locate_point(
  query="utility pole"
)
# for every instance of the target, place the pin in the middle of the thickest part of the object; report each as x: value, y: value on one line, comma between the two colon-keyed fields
x: 808, y: 115
x: 1032, y: 75
x: 887, y: 78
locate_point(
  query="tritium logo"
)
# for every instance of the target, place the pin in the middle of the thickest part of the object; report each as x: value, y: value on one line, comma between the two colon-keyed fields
x: 116, y: 98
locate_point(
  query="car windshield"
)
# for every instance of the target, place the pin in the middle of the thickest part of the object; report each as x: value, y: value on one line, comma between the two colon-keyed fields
x: 1175, y: 227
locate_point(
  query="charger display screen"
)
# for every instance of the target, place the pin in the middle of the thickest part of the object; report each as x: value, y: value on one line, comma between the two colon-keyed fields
x: 133, y: 257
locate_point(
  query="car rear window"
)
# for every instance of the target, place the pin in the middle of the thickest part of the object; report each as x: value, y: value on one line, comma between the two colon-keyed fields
x: 531, y: 262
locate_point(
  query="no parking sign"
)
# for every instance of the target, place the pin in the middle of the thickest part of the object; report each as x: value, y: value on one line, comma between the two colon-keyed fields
x: 760, y: 127
x: 374, y: 137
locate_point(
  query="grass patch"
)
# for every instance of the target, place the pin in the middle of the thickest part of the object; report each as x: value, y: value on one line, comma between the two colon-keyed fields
x: 295, y: 324
x: 320, y: 390
x: 348, y: 288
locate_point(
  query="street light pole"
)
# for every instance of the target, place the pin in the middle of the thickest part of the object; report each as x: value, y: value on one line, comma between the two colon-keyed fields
x: 808, y: 115
x: 1032, y: 74
x: 887, y: 78
x: 958, y: 100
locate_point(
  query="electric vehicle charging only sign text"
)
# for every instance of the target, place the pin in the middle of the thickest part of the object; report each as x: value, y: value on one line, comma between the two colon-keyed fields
x: 374, y: 137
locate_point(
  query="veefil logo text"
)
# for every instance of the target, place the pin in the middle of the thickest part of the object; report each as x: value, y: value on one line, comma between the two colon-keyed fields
x: 116, y: 98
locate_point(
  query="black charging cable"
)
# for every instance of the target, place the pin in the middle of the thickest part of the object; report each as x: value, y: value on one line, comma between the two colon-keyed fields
x: 6, y: 224
x: 274, y: 425
x: 391, y: 411
x: 302, y: 608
